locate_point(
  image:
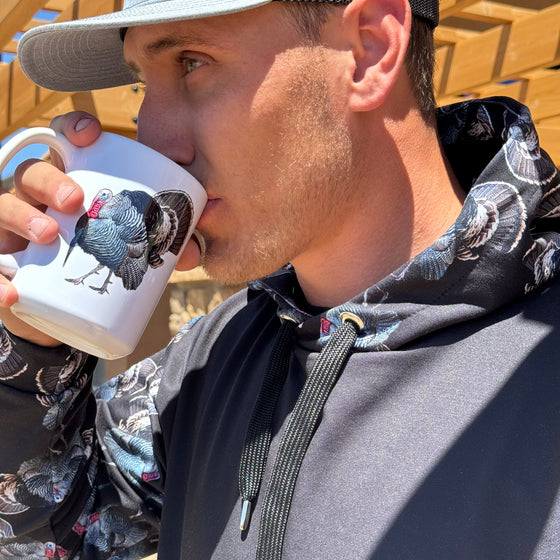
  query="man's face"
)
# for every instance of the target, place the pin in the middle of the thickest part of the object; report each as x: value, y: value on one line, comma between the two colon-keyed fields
x: 256, y: 116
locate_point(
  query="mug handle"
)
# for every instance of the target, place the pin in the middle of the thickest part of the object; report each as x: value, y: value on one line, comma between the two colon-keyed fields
x: 36, y: 135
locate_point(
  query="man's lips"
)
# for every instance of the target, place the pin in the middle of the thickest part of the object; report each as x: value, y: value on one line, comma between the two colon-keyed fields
x: 212, y: 201
x: 209, y: 208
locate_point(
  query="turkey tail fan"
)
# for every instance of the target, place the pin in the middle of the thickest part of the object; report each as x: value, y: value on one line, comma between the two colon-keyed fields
x: 180, y: 204
x: 131, y: 272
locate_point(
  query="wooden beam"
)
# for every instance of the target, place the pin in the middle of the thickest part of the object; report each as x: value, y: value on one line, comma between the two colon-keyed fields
x: 14, y: 14
x: 116, y: 108
x: 22, y: 102
x: 65, y: 105
x: 473, y: 62
x: 493, y: 12
x: 532, y: 4
x: 448, y: 8
x: 57, y: 5
x: 84, y: 101
x: 33, y: 23
x: 501, y: 53
x: 542, y: 95
x: 533, y: 42
x: 94, y: 8
x: 119, y: 106
x: 20, y: 99
x: 552, y: 122
x: 516, y: 89
x: 50, y: 101
x: 550, y: 141
x: 4, y: 97
x: 443, y: 58
x: 10, y: 47
x: 447, y: 35
x: 22, y: 94
x: 539, y: 90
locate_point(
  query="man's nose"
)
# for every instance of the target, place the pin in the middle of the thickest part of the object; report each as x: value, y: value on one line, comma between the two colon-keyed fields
x: 166, y: 130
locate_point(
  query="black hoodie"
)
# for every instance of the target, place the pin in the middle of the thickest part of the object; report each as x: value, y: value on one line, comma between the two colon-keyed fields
x: 418, y: 421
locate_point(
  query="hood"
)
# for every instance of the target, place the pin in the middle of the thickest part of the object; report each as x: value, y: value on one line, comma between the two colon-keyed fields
x: 504, y: 243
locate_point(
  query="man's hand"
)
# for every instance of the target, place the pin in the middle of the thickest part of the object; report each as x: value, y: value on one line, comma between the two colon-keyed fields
x: 38, y: 185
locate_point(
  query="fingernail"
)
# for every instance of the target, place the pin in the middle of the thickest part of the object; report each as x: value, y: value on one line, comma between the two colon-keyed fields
x: 3, y: 292
x: 82, y: 123
x: 38, y: 225
x: 63, y: 192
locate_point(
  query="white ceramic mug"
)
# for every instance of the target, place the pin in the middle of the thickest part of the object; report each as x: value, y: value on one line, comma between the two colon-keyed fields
x: 96, y: 286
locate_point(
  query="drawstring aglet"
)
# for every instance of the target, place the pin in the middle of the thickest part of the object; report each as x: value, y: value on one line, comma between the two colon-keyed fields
x: 245, y: 514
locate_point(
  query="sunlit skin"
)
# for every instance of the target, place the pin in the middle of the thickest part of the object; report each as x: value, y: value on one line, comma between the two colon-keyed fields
x: 310, y: 154
x: 253, y: 121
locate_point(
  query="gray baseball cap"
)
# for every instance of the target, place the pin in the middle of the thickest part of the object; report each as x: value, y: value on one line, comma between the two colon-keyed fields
x: 87, y: 54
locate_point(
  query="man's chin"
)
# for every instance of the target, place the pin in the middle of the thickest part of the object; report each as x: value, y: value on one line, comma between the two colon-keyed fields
x: 234, y: 274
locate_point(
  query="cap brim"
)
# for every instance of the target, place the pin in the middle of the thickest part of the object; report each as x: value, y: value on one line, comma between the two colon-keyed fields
x: 87, y: 54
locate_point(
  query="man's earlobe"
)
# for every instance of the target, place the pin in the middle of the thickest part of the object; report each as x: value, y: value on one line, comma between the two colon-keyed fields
x: 381, y: 41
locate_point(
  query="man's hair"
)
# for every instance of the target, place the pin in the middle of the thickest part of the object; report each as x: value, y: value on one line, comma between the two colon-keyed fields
x: 310, y: 16
x: 420, y: 64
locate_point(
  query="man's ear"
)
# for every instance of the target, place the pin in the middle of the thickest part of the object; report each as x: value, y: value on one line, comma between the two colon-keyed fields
x: 380, y: 40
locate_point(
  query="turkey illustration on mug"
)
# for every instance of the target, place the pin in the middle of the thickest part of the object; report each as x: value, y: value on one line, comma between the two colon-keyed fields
x: 129, y: 232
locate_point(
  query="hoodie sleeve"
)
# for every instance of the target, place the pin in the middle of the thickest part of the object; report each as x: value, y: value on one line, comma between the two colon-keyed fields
x: 78, y: 478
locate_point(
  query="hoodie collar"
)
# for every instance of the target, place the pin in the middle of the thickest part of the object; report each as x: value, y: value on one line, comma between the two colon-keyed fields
x: 504, y: 243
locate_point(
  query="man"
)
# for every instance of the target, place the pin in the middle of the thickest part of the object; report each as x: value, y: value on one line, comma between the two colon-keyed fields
x: 391, y: 394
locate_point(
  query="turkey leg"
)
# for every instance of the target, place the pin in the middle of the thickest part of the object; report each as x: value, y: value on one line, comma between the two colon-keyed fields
x: 103, y: 289
x: 81, y: 279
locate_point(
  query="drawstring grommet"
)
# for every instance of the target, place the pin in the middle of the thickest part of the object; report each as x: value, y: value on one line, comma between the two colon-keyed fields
x: 346, y: 316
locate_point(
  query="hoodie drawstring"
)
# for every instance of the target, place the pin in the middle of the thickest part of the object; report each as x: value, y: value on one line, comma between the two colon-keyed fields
x: 302, y: 424
x: 258, y: 436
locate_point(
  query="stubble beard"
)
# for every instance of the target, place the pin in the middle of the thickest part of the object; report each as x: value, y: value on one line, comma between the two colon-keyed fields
x: 313, y: 155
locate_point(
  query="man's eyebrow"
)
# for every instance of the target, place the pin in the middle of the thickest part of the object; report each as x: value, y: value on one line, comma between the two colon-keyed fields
x: 173, y: 41
x: 193, y: 40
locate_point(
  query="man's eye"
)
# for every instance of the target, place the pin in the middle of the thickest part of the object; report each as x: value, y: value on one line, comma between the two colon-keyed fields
x: 190, y: 64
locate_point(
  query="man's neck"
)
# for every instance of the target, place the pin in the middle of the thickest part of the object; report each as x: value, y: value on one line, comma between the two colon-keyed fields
x: 400, y: 208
